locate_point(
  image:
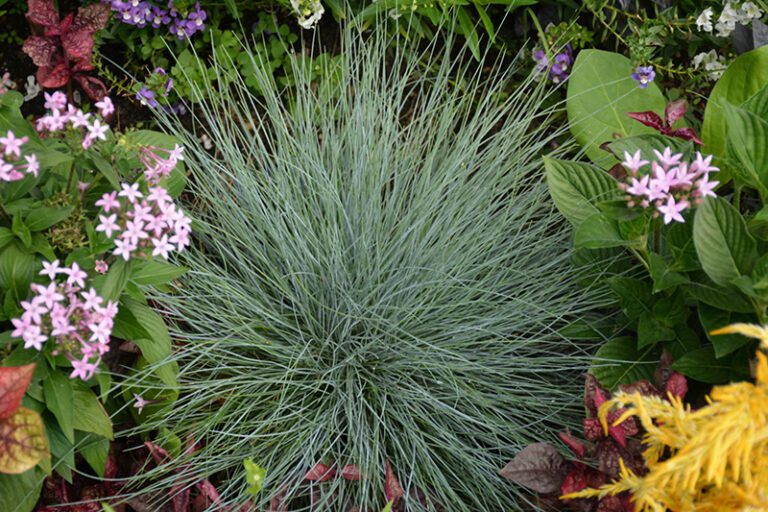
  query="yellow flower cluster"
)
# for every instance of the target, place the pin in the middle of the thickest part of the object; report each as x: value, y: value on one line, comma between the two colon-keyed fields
x: 713, y: 459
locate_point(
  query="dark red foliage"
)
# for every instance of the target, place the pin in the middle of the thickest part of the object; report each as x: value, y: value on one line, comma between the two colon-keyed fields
x: 64, y: 49
x: 674, y: 111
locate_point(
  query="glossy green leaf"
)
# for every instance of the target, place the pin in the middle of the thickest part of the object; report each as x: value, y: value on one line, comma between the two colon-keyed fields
x: 598, y: 232
x: 577, y: 188
x: 20, y: 493
x: 702, y: 365
x: 153, y: 272
x: 59, y: 398
x: 712, y: 318
x: 747, y: 134
x: 600, y: 93
x: 91, y: 416
x: 619, y: 362
x: 45, y: 217
x: 634, y: 295
x: 725, y: 248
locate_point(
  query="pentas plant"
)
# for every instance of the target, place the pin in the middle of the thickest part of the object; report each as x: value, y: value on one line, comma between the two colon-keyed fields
x: 668, y: 184
x: 69, y: 317
x: 141, y: 13
x: 12, y: 166
x: 63, y: 116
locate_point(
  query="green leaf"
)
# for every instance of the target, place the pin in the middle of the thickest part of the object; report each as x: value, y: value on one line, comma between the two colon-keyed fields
x: 21, y: 230
x: 663, y: 277
x: 106, y: 169
x: 153, y: 272
x: 646, y: 143
x: 59, y: 398
x: 714, y: 318
x: 619, y: 362
x: 469, y: 32
x: 725, y: 248
x: 91, y: 416
x: 254, y: 476
x: 45, y: 217
x: 747, y: 133
x: 600, y: 93
x: 20, y: 493
x: 727, y: 299
x: 577, y: 188
x: 745, y: 77
x: 139, y: 323
x: 6, y: 236
x: 634, y: 295
x: 758, y: 103
x: 650, y: 331
x: 95, y: 451
x: 117, y: 277
x: 702, y: 365
x: 598, y: 232
x: 17, y: 269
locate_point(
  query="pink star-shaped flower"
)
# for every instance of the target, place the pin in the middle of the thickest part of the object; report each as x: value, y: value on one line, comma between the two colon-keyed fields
x: 672, y: 210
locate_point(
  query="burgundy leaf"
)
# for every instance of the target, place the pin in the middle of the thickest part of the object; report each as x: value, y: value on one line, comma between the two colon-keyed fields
x: 78, y: 45
x: 350, y: 472
x: 644, y: 387
x: 613, y: 504
x: 576, y: 446
x: 53, y: 76
x: 664, y: 370
x: 62, y: 27
x: 81, y: 65
x: 675, y: 110
x: 91, y: 18
x: 687, y: 134
x: 180, y: 498
x: 593, y: 430
x: 618, y: 434
x: 393, y: 491
x: 13, y: 384
x: 208, y: 490
x: 93, y: 87
x: 277, y: 504
x: 42, y: 12
x: 648, y: 118
x: 581, y: 477
x: 539, y: 467
x: 590, y: 386
x: 677, y: 385
x: 42, y: 50
x: 609, y: 453
x: 320, y: 473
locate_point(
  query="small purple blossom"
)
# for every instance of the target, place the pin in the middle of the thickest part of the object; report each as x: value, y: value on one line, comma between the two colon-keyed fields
x: 147, y: 97
x: 561, y: 65
x: 643, y: 75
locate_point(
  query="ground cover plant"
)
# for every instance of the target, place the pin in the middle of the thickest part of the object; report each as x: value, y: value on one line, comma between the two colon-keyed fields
x: 373, y: 311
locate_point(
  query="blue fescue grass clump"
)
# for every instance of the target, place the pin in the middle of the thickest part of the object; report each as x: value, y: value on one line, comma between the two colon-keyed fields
x: 379, y: 275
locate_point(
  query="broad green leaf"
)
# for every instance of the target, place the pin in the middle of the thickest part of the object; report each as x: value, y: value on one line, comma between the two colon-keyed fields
x: 17, y: 269
x: 6, y: 236
x: 20, y: 493
x: 646, y: 143
x: 91, y: 416
x: 22, y: 441
x: 469, y: 32
x: 746, y: 76
x: 727, y: 299
x: 60, y: 400
x: 663, y: 277
x: 619, y: 362
x: 153, y: 272
x: 758, y: 103
x: 600, y: 93
x: 634, y: 295
x: 577, y: 188
x: 137, y: 322
x: 21, y: 230
x: 598, y: 232
x: 45, y: 217
x: 702, y: 365
x: 95, y: 451
x: 725, y: 248
x: 650, y: 331
x: 117, y: 277
x: 747, y: 135
x: 106, y: 169
x: 713, y: 318
x: 62, y: 449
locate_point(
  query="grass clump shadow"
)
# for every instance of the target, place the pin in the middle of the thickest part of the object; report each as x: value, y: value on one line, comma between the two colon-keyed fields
x: 379, y: 276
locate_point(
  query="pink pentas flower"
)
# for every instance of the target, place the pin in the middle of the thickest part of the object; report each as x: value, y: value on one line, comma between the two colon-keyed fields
x: 108, y: 202
x: 55, y: 101
x: 69, y: 320
x: 101, y: 266
x: 105, y: 106
x: 671, y: 185
x: 159, y: 162
x: 12, y: 166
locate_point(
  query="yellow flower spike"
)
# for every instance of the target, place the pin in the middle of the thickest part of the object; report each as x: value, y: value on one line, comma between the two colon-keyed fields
x: 762, y: 368
x: 751, y: 330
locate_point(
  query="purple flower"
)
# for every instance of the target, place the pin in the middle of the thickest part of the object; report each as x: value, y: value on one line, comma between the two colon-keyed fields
x: 560, y: 70
x: 159, y: 17
x: 542, y: 63
x: 198, y: 16
x: 146, y: 97
x: 643, y: 75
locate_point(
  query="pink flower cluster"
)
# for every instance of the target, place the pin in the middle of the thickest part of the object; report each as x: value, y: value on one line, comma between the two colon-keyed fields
x: 671, y: 185
x: 159, y: 162
x: 63, y: 114
x: 11, y: 167
x: 143, y: 226
x: 78, y: 321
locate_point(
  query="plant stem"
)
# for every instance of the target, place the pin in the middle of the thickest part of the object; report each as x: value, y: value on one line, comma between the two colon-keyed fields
x: 542, y: 35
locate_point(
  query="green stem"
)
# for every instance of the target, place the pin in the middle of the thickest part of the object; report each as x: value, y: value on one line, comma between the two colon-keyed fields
x: 542, y: 34
x: 737, y: 197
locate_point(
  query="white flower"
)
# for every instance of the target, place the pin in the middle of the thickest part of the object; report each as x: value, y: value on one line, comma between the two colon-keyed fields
x: 704, y: 21
x: 750, y: 11
x: 32, y: 88
x: 309, y: 12
x: 712, y: 62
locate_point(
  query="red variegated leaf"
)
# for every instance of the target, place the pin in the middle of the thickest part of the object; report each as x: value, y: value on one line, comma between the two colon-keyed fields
x: 91, y: 18
x: 675, y: 110
x: 350, y: 472
x: 23, y: 442
x: 648, y: 118
x: 61, y: 28
x: 576, y: 446
x: 644, y: 387
x: 180, y: 498
x: 320, y: 473
x: 277, y: 504
x: 52, y: 77
x: 208, y: 490
x: 93, y: 87
x: 42, y: 12
x: 13, y: 384
x: 42, y: 50
x: 78, y: 45
x: 158, y: 452
x: 593, y: 430
x: 611, y: 504
x: 687, y: 134
x: 393, y: 491
x: 539, y: 467
x: 677, y: 385
x: 581, y: 477
x: 82, y: 65
x: 590, y: 386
